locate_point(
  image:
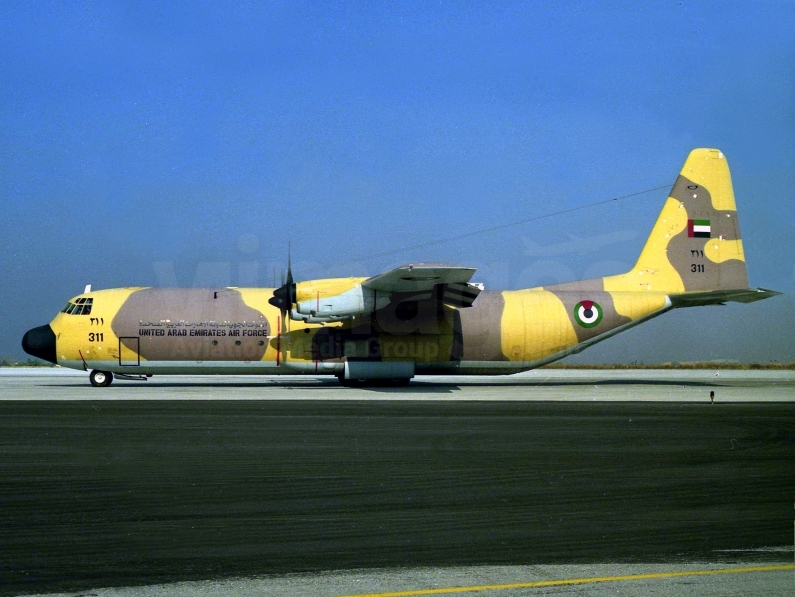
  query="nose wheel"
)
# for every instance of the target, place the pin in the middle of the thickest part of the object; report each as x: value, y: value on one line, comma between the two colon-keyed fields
x: 100, y: 379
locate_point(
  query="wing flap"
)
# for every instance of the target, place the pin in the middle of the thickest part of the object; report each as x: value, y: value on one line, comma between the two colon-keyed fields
x: 459, y: 294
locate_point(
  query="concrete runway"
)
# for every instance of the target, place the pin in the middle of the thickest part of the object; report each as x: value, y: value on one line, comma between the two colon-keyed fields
x: 300, y: 487
x: 540, y: 384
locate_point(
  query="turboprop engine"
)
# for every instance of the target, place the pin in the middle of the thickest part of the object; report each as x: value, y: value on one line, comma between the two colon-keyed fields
x: 349, y: 304
x: 337, y: 299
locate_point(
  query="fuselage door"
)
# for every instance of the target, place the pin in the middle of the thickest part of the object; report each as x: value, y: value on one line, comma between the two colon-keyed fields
x: 128, y: 351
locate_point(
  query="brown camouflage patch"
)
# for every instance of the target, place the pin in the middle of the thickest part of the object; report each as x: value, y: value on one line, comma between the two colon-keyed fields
x: 477, y: 334
x: 687, y: 254
x: 610, y: 320
x: 192, y: 324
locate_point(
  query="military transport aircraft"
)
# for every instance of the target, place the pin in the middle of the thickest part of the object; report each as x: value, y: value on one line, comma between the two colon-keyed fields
x: 422, y: 318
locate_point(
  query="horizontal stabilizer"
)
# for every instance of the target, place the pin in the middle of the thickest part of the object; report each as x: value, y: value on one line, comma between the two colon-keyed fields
x: 720, y: 297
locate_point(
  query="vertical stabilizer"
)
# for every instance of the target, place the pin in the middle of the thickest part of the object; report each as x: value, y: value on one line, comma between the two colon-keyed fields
x: 695, y: 244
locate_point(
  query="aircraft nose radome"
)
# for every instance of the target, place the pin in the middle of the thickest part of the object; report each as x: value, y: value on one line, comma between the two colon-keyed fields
x: 40, y: 342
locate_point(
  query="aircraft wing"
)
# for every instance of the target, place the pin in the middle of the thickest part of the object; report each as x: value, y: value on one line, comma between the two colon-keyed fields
x: 720, y: 297
x: 446, y: 283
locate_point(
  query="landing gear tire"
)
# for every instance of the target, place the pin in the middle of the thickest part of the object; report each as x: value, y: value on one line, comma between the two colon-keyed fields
x: 100, y: 379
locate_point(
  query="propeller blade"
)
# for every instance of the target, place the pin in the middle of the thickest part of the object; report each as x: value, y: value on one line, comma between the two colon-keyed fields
x: 290, y: 284
x: 284, y: 297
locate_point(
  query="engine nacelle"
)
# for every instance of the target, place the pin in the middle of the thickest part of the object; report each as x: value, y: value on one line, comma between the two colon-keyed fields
x: 352, y: 303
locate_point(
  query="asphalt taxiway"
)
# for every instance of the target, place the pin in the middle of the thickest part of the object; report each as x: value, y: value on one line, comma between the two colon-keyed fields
x: 515, y: 486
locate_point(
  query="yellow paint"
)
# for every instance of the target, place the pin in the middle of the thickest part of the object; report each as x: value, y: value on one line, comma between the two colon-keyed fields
x: 534, y: 325
x: 257, y: 298
x: 308, y: 290
x: 719, y: 250
x: 636, y: 305
x: 71, y: 331
x: 295, y: 344
x: 709, y: 168
x: 654, y: 271
x: 577, y: 581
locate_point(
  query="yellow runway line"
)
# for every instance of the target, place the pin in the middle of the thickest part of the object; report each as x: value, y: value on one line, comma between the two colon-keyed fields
x: 574, y: 581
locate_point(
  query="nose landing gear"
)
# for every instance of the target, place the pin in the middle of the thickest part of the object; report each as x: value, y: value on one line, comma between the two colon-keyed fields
x: 100, y: 379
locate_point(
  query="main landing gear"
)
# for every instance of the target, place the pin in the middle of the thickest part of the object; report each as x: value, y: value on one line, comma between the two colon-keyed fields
x: 100, y: 379
x: 374, y: 383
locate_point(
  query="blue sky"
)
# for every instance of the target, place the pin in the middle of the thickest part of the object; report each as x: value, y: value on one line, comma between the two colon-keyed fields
x: 152, y: 143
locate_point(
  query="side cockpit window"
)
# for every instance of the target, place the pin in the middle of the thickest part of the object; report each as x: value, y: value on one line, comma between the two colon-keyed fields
x: 80, y: 306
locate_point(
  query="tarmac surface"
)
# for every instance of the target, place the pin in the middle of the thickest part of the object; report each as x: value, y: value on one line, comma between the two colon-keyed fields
x: 526, y: 485
x: 541, y: 384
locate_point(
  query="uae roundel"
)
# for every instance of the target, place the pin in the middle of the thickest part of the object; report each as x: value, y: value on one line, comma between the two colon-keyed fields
x: 588, y: 313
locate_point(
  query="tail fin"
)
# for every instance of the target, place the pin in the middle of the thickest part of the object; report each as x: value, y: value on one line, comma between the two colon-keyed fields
x: 695, y: 244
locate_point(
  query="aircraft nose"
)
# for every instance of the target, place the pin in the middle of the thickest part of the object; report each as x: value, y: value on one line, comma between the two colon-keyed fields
x: 40, y: 342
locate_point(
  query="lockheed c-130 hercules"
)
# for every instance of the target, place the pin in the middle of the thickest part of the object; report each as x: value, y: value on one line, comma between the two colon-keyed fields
x: 416, y: 319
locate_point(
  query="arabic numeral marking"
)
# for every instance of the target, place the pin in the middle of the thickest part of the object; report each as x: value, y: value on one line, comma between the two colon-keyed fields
x: 697, y: 268
x: 96, y: 337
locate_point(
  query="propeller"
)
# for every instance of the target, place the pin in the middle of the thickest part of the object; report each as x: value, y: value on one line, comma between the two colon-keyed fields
x: 284, y: 297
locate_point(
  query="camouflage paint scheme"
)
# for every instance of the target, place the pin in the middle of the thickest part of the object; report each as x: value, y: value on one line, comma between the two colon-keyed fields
x: 236, y: 330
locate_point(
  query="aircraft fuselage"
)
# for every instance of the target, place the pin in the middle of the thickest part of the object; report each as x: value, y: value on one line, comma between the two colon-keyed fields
x: 415, y: 319
x: 148, y: 331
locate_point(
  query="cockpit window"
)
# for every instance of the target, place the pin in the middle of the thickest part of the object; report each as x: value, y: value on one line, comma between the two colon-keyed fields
x: 80, y: 306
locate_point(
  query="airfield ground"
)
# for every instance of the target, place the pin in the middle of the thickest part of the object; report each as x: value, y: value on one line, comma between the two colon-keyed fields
x: 274, y: 486
x: 577, y: 385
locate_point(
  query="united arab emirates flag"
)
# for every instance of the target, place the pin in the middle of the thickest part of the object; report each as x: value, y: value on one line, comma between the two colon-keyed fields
x: 698, y: 229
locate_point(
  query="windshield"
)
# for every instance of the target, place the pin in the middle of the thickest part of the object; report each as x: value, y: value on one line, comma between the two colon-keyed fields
x: 80, y: 306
